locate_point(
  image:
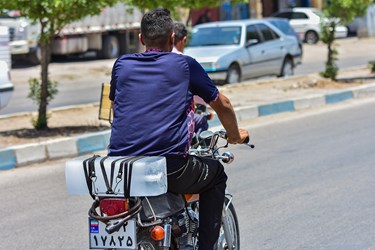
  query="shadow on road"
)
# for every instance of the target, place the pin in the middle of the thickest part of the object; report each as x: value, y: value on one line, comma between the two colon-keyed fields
x: 356, y: 79
x: 21, y: 63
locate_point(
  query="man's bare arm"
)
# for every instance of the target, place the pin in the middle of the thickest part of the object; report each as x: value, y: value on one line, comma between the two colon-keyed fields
x: 225, y: 112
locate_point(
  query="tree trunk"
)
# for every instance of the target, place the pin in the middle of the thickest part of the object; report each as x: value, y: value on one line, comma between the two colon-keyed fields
x: 331, y: 54
x: 42, y: 116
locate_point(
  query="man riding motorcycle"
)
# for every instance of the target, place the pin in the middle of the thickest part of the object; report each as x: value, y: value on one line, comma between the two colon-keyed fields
x: 152, y: 94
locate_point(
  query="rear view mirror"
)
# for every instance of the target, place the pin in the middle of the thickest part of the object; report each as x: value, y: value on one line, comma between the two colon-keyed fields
x: 251, y: 42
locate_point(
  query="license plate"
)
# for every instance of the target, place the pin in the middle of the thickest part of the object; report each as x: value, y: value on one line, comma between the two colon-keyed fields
x: 125, y: 238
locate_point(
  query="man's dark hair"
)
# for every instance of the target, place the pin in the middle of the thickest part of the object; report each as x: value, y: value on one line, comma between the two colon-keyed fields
x: 156, y: 27
x: 179, y: 32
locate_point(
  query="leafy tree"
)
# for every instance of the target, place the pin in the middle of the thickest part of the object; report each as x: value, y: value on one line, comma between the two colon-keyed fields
x: 338, y: 12
x: 52, y: 16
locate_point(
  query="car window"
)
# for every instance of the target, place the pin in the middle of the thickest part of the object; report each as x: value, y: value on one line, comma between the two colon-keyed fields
x: 215, y: 36
x: 252, y: 34
x: 275, y: 35
x: 267, y: 32
x: 299, y: 15
x: 283, y: 26
x: 287, y: 15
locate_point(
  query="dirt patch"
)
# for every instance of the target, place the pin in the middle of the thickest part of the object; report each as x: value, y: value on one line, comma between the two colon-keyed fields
x: 28, y: 135
x: 322, y: 83
x: 62, y: 123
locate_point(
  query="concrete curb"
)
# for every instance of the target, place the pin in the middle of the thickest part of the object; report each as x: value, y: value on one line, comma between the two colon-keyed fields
x: 73, y: 146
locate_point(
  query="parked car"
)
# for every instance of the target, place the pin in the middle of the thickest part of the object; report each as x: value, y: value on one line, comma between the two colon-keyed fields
x: 307, y: 21
x: 4, y: 45
x: 284, y: 25
x: 354, y: 26
x: 6, y: 86
x: 231, y: 51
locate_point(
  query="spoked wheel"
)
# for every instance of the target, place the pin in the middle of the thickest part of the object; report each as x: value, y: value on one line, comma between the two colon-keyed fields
x: 145, y: 242
x: 231, y: 227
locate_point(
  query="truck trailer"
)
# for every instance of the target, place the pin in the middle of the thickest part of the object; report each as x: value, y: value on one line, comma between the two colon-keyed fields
x: 111, y: 33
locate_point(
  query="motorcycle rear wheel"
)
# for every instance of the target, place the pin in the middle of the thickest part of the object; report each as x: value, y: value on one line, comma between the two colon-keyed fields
x: 145, y: 242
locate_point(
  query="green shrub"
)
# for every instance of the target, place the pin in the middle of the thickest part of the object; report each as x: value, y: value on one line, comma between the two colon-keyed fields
x: 35, y: 94
x: 330, y: 72
x: 35, y: 89
x: 372, y: 66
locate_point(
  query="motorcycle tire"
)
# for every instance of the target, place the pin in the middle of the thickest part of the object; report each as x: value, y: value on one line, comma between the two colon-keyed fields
x: 145, y: 242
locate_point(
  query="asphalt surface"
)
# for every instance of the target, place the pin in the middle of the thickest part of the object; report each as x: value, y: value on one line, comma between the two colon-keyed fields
x: 308, y: 184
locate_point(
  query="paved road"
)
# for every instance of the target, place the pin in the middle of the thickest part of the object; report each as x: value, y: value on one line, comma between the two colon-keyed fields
x: 307, y: 185
x: 80, y: 79
x: 310, y: 183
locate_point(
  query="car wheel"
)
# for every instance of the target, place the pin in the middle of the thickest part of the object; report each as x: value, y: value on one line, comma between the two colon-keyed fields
x: 111, y: 47
x: 234, y: 74
x: 311, y: 37
x: 35, y: 56
x: 288, y: 68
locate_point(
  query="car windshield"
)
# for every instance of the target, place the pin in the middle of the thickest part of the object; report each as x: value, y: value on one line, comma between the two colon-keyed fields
x: 215, y: 36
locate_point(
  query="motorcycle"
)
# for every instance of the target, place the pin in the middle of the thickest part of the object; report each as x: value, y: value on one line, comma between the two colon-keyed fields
x: 132, y: 208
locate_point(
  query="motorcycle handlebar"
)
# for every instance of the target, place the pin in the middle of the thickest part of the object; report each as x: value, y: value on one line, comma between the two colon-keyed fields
x: 223, y: 134
x: 247, y: 140
x: 213, y: 137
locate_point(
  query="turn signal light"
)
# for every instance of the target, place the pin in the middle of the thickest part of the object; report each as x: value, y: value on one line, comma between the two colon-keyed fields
x: 157, y: 233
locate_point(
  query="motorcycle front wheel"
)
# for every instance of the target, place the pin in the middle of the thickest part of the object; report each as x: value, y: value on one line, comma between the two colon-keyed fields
x: 232, y: 228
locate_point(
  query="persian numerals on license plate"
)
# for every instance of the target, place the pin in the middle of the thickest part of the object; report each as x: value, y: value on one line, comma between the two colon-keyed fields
x: 125, y: 238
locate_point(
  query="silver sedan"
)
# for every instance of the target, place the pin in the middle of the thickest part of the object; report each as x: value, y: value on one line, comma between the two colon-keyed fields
x: 231, y: 51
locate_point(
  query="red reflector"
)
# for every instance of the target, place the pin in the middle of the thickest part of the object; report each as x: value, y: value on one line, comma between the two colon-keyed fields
x: 110, y: 206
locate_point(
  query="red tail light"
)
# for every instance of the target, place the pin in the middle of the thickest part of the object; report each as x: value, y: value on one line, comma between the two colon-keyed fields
x: 113, y: 206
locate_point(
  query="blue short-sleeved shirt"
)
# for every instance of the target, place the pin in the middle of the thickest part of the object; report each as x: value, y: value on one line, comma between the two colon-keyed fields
x: 153, y: 103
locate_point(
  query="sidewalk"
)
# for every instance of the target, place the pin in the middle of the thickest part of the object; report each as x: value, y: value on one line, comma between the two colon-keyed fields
x: 250, y: 99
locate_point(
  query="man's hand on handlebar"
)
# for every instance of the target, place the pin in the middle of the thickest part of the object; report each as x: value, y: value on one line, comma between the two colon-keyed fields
x: 243, y: 137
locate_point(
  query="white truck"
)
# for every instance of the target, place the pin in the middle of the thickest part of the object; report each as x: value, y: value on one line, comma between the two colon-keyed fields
x: 114, y: 31
x: 6, y: 86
